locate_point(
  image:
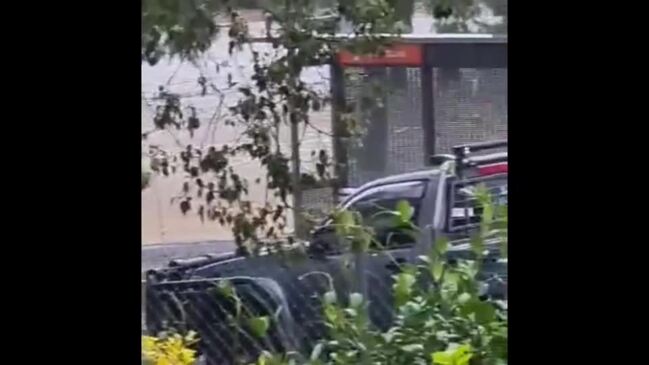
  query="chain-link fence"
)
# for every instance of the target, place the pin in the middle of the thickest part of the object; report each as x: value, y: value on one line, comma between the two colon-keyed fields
x: 470, y: 106
x: 387, y: 105
x: 220, y: 304
x: 226, y: 299
x: 283, y: 295
x: 457, y: 94
x: 454, y: 93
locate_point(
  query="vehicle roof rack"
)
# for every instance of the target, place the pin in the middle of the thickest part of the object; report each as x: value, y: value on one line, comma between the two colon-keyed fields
x: 464, y: 157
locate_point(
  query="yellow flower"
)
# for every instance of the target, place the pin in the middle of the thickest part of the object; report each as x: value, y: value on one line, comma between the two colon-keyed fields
x: 173, y: 350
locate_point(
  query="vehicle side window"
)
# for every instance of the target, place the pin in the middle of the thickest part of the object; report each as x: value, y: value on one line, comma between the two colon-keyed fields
x: 373, y: 201
x: 466, y: 210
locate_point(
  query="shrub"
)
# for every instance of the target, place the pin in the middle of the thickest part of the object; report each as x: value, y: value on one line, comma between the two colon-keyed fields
x: 441, y: 314
x: 442, y: 318
x: 171, y: 349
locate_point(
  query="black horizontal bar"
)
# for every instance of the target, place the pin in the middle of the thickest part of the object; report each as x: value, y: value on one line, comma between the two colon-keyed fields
x: 467, y: 55
x: 486, y: 159
x: 479, y: 146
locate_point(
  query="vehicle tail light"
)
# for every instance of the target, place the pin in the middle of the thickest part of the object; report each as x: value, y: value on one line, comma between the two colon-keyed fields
x: 493, y: 169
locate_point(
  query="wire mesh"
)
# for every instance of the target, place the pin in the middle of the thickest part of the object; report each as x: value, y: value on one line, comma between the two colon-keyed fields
x: 201, y: 306
x: 387, y: 104
x: 287, y: 291
x: 470, y: 106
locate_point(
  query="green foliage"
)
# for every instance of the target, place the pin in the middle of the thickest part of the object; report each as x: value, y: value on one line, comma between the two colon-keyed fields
x: 170, y: 349
x: 445, y: 321
x: 177, y: 27
x: 441, y: 318
x: 463, y: 16
x: 355, y: 236
x: 259, y: 325
x: 277, y: 100
x: 457, y: 355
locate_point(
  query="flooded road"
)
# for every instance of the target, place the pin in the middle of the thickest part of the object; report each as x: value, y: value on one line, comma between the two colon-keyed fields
x: 162, y: 222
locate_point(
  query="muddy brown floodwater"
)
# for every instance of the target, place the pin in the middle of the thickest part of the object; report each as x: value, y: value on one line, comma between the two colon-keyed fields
x: 162, y: 222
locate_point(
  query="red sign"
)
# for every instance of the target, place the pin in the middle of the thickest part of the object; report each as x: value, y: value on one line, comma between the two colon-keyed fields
x: 396, y: 55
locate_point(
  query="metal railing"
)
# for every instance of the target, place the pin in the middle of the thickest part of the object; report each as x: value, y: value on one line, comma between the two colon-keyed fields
x: 287, y: 295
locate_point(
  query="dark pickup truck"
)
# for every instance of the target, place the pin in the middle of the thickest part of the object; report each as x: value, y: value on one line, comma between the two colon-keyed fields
x: 289, y: 287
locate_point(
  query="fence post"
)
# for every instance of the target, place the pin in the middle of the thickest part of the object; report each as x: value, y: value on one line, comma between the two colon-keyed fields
x: 428, y: 105
x: 339, y: 131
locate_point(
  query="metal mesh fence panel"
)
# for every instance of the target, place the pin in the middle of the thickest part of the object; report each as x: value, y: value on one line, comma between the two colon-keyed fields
x: 318, y: 202
x: 273, y: 286
x: 470, y: 106
x: 220, y: 320
x: 387, y: 104
x: 285, y: 290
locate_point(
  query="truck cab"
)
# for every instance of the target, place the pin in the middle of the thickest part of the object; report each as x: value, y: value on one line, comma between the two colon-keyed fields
x: 441, y: 198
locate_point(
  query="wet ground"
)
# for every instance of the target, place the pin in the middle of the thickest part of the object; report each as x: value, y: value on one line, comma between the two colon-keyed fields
x: 162, y: 222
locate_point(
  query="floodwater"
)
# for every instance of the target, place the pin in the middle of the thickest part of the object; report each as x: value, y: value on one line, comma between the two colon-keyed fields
x: 162, y: 221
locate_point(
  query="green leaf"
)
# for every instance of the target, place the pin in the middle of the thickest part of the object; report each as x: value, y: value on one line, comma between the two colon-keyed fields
x: 487, y: 213
x: 390, y: 334
x: 345, y: 218
x: 463, y: 298
x: 405, y: 211
x: 259, y: 325
x: 472, y: 268
x: 460, y: 355
x: 262, y: 359
x: 485, y: 313
x: 441, y: 245
x: 331, y: 314
x: 317, y: 350
x: 464, y: 359
x: 225, y: 288
x: 442, y: 358
x: 437, y: 270
x: 452, y: 278
x: 482, y: 312
x: 403, y: 288
x: 410, y: 309
x: 477, y: 246
x: 361, y: 240
x: 412, y: 348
